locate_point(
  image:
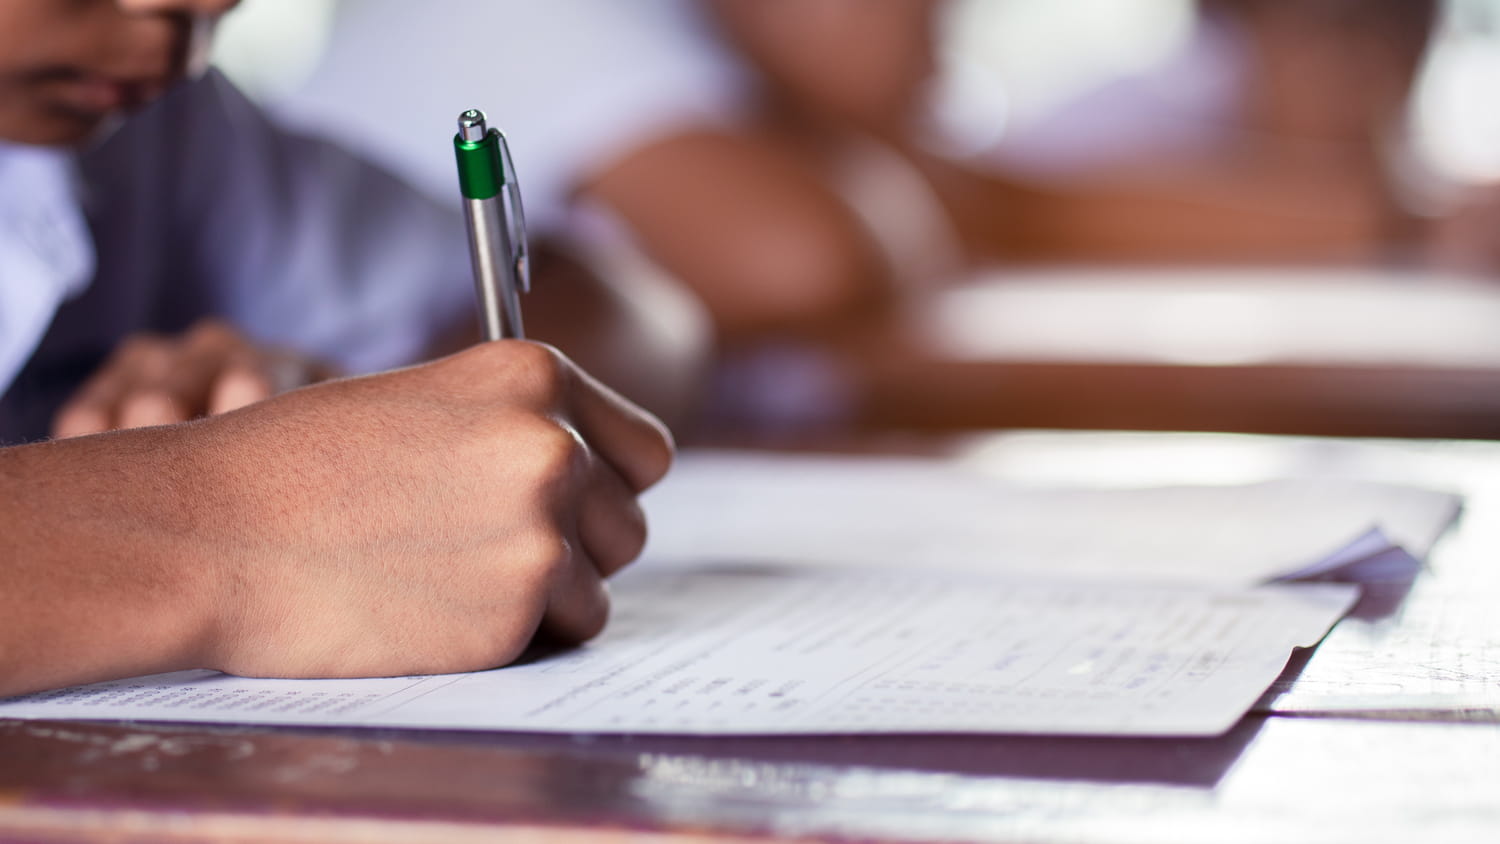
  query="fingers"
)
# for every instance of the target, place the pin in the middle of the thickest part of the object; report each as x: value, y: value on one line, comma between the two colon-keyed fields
x: 611, y: 531
x: 634, y: 442
x: 607, y: 530
x: 611, y: 524
x: 575, y: 453
x: 153, y: 380
x: 116, y: 391
x: 241, y: 383
x: 198, y: 363
x: 578, y: 605
x: 631, y: 440
x: 77, y: 420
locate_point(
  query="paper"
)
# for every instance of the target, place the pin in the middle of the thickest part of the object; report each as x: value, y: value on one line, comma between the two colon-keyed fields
x: 911, y: 513
x: 771, y: 650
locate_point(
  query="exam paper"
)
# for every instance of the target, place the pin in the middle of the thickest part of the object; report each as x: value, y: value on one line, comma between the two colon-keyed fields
x: 913, y: 513
x: 761, y: 649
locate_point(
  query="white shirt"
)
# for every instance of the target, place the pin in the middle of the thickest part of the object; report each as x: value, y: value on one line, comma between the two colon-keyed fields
x: 46, y: 255
x: 199, y: 206
x: 1181, y: 106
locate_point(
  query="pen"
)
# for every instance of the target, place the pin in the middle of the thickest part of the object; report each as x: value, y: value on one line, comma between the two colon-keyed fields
x: 496, y: 224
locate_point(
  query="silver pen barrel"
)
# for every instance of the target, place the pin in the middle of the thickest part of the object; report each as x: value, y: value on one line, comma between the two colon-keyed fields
x: 489, y: 249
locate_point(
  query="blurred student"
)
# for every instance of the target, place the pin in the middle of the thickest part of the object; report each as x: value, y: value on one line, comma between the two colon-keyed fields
x: 197, y: 206
x: 194, y: 206
x: 1277, y: 134
x: 429, y: 519
x: 647, y: 112
x: 655, y: 123
x: 1274, y: 134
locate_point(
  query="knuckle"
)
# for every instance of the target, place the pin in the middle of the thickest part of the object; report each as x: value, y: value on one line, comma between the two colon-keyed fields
x: 537, y: 371
x: 544, y: 556
x: 553, y: 452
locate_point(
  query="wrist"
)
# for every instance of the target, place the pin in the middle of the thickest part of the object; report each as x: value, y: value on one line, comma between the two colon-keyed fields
x: 107, y: 573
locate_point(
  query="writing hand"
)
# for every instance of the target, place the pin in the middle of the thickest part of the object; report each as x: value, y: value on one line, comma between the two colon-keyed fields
x: 426, y: 520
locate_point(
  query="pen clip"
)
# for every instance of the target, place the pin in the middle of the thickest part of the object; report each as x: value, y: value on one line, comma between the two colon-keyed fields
x: 515, y: 216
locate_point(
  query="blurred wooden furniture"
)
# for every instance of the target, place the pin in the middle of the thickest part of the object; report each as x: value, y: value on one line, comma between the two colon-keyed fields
x: 1389, y: 732
x: 1301, y: 351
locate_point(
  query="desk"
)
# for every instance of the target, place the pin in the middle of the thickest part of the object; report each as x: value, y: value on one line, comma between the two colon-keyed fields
x: 1389, y: 732
x: 1339, y: 353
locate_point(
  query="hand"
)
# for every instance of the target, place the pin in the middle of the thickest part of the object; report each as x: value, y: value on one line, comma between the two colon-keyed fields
x: 426, y: 520
x: 154, y: 380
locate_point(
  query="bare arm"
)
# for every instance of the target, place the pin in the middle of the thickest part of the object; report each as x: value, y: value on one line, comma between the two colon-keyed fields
x: 1254, y: 211
x: 96, y: 580
x: 761, y: 240
x: 426, y: 520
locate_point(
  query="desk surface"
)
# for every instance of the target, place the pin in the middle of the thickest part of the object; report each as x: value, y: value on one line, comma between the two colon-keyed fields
x: 1389, y: 732
x: 1346, y: 353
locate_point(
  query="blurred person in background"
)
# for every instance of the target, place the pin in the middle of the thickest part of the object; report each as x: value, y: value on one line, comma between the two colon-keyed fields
x: 1280, y: 132
x: 1276, y: 134
x: 660, y: 127
x: 135, y: 201
x: 191, y: 257
x: 648, y: 114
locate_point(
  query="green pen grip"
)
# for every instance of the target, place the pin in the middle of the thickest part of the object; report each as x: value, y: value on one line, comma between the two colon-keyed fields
x: 480, y: 175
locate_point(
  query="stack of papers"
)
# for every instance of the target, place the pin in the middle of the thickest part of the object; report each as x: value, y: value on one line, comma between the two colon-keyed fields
x: 915, y: 513
x: 797, y: 596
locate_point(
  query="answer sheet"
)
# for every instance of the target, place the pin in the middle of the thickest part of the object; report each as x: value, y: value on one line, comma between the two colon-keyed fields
x: 764, y: 649
x: 915, y: 513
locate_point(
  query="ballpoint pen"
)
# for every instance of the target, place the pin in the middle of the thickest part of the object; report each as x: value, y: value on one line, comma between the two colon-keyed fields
x: 496, y: 223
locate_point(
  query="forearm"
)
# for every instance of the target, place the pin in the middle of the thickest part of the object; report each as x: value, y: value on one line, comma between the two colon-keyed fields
x: 99, y: 573
x: 786, y: 257
x: 1167, y: 213
x: 1206, y: 216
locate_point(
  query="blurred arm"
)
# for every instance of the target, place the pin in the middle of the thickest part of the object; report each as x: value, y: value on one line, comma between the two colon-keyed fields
x: 766, y: 245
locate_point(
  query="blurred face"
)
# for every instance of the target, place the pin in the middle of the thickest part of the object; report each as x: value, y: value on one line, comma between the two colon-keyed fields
x: 862, y: 61
x: 66, y: 66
